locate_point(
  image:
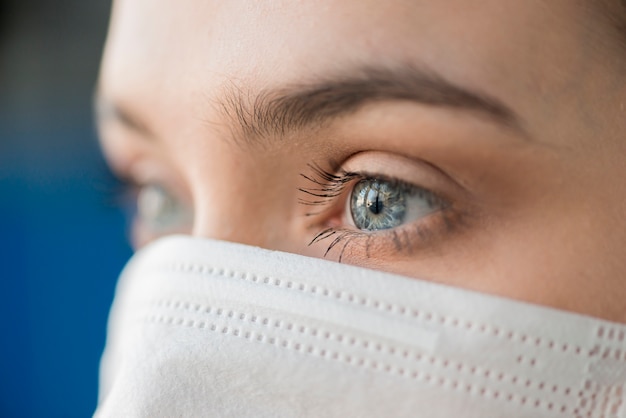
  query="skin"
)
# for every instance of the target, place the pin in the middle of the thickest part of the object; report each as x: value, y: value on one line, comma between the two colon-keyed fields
x: 534, y: 206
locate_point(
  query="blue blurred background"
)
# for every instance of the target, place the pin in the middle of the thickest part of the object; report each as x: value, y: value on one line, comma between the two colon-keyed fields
x: 62, y: 239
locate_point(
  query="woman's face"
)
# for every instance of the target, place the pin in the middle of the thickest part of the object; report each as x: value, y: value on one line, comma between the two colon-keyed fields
x: 477, y: 145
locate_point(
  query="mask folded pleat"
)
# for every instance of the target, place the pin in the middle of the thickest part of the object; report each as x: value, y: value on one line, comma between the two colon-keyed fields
x: 209, y: 328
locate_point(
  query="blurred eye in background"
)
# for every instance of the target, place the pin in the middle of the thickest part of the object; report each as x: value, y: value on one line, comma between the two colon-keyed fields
x: 159, y: 212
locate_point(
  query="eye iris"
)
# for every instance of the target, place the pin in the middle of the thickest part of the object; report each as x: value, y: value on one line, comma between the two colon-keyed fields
x: 377, y: 204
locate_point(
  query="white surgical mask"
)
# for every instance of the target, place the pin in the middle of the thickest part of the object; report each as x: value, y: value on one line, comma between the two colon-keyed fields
x: 203, y: 328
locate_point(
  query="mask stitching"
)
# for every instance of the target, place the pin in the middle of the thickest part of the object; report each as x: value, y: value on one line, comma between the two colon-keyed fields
x: 303, y: 348
x: 494, y: 376
x: 609, y: 401
x: 387, y: 307
x: 587, y: 403
x: 613, y: 333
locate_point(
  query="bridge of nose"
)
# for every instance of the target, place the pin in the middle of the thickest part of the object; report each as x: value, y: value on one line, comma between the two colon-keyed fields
x: 255, y: 207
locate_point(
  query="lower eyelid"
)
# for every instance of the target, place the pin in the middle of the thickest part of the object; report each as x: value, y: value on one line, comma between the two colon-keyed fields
x: 405, y: 240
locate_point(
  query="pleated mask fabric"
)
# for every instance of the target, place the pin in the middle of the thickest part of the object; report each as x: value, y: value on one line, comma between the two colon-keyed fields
x: 203, y: 328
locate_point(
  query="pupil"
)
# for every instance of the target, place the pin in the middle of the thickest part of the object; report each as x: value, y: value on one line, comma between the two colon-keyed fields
x: 373, y: 202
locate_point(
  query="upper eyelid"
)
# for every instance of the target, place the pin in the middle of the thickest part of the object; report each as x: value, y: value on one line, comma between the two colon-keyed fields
x: 416, y: 172
x: 335, y: 184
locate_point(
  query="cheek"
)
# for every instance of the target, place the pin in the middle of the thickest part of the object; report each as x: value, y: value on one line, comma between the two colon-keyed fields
x: 554, y: 261
x: 541, y: 256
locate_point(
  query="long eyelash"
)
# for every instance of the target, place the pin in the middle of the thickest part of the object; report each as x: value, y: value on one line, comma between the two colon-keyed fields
x: 341, y: 235
x: 327, y: 233
x: 327, y: 186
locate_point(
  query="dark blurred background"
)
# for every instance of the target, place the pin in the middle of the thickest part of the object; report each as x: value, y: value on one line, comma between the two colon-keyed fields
x: 62, y: 240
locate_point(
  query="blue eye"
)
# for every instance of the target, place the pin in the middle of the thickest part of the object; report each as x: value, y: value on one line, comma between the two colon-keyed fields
x: 159, y: 211
x: 378, y: 204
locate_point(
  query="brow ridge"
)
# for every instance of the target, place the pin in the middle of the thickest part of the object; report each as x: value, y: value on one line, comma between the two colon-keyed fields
x: 274, y: 113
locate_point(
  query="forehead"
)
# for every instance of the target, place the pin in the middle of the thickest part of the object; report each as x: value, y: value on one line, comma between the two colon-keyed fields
x: 173, y: 56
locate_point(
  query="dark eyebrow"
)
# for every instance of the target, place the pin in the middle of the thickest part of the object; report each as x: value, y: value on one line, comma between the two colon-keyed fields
x: 276, y: 112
